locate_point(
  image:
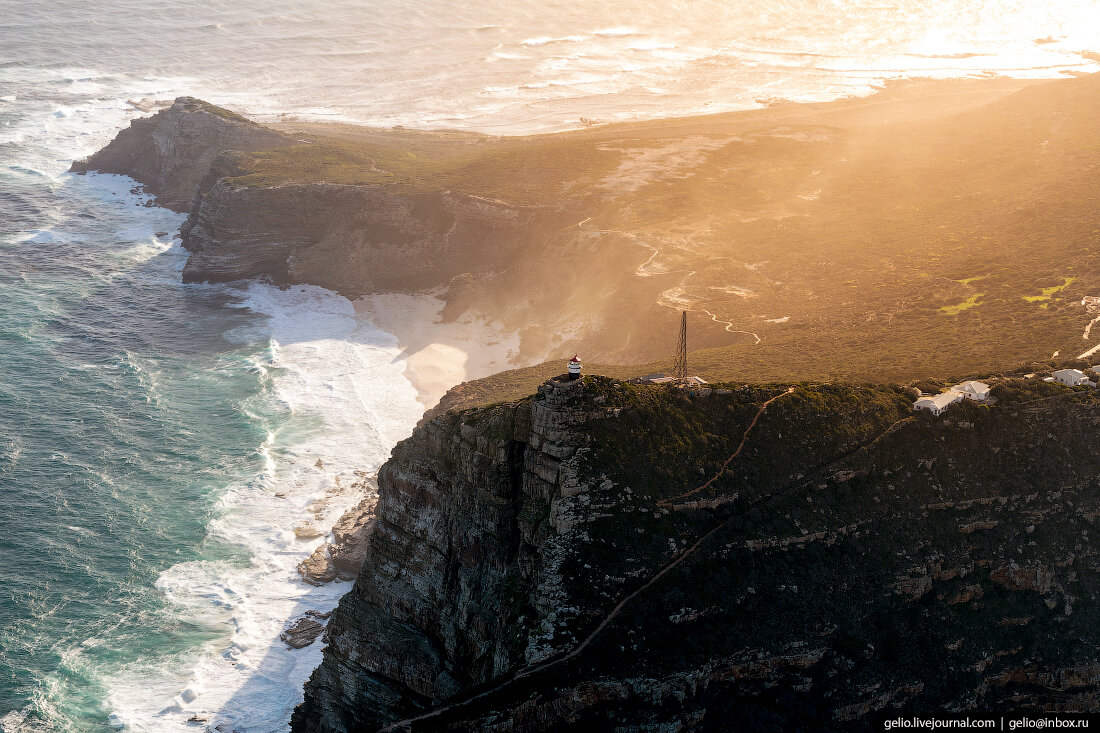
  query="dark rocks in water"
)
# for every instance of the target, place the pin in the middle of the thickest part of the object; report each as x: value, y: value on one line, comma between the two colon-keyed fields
x: 304, y: 631
x: 350, y: 533
x: 854, y: 558
x: 317, y: 569
x: 343, y: 557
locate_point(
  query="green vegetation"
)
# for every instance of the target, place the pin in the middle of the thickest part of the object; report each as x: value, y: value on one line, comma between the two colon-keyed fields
x: 841, y: 245
x: 519, y: 170
x: 1048, y: 293
x: 954, y: 310
x: 194, y: 105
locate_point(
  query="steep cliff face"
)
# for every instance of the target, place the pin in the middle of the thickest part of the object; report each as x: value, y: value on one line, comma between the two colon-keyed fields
x: 354, y: 239
x: 174, y: 151
x: 634, y: 557
x: 461, y: 564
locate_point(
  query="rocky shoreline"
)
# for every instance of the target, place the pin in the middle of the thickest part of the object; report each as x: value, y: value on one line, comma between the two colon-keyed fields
x: 535, y: 563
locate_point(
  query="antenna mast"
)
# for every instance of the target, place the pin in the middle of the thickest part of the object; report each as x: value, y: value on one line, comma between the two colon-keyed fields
x: 681, y: 368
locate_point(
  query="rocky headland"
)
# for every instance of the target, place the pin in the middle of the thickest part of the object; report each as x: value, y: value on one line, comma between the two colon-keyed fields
x: 827, y: 241
x: 610, y: 555
x: 615, y: 556
x: 179, y: 152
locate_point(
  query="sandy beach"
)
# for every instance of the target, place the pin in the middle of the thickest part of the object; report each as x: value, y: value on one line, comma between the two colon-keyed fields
x: 440, y: 355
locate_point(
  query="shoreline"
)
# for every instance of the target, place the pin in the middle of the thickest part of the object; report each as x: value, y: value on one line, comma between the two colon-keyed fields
x: 899, y: 98
x: 438, y: 354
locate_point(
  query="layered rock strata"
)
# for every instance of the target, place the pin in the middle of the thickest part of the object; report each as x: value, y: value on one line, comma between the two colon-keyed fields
x: 852, y: 559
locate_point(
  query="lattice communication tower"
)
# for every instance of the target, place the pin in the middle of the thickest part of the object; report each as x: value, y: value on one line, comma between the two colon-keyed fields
x: 681, y: 368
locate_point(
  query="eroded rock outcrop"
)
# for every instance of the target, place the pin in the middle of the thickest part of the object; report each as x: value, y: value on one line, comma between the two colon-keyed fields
x: 521, y: 552
x: 174, y: 153
x: 354, y: 239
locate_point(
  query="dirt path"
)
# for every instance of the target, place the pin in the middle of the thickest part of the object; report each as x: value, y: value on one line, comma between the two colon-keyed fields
x: 663, y: 300
x: 740, y: 447
x: 1090, y: 352
x: 546, y: 664
x: 729, y: 326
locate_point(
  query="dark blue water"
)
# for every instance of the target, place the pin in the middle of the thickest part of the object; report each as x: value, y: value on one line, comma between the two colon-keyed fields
x: 122, y: 418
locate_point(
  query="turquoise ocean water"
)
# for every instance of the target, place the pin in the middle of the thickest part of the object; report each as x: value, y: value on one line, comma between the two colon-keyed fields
x: 160, y: 443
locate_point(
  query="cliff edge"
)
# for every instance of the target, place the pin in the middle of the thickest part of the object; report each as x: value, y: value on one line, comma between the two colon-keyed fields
x: 633, y: 557
x: 173, y: 151
x: 828, y: 242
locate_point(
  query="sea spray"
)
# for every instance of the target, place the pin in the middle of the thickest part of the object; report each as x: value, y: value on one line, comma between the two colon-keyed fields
x: 335, y: 401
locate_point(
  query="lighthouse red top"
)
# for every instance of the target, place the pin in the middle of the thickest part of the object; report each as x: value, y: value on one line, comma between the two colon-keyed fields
x: 574, y: 360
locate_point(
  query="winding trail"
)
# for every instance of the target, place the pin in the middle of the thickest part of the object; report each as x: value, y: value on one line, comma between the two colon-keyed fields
x: 740, y: 447
x: 729, y: 325
x: 665, y: 569
x: 1088, y: 327
x: 663, y: 299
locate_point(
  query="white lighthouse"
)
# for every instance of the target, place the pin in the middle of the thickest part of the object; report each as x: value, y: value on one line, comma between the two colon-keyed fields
x: 574, y: 368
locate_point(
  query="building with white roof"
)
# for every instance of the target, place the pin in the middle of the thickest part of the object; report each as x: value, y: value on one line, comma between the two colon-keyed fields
x: 973, y: 390
x: 970, y: 390
x: 936, y: 404
x: 1070, y: 377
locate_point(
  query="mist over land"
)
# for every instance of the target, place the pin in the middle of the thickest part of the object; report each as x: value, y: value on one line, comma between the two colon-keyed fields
x: 206, y: 437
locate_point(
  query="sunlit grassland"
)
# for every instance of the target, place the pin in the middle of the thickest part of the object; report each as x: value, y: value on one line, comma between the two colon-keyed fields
x: 883, y: 253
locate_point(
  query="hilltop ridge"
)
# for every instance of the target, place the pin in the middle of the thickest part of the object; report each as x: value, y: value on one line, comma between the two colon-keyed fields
x: 934, y: 230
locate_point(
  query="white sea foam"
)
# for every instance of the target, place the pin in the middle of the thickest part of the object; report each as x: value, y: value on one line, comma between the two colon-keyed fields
x: 616, y: 32
x: 439, y: 355
x: 344, y: 402
x: 338, y: 392
x: 547, y: 40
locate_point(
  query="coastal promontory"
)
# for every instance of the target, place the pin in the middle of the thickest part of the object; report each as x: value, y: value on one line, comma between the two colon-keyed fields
x: 934, y: 229
x: 615, y: 556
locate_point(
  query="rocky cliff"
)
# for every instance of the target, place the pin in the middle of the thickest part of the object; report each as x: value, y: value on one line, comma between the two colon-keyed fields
x: 174, y: 152
x: 634, y: 557
x: 827, y: 242
x: 355, y: 239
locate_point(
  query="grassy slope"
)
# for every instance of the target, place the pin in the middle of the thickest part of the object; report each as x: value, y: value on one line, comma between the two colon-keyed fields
x: 936, y: 231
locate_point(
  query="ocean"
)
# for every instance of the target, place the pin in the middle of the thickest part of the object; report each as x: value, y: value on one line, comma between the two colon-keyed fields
x: 160, y: 443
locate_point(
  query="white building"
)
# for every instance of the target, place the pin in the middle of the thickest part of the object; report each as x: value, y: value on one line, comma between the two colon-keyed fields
x: 936, y: 404
x: 973, y: 390
x: 662, y: 379
x: 1070, y: 377
x: 575, y: 367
